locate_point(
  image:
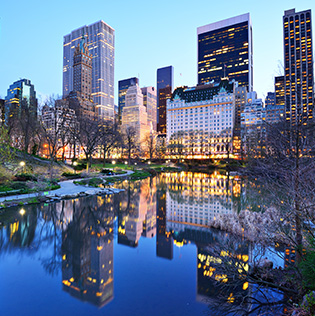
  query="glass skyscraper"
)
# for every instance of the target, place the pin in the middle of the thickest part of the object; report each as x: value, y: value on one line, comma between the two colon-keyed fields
x: 165, y: 83
x: 298, y: 65
x: 20, y: 93
x: 225, y: 50
x: 100, y: 39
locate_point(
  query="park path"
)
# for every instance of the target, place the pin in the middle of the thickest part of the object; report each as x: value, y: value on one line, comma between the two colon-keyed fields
x: 66, y: 188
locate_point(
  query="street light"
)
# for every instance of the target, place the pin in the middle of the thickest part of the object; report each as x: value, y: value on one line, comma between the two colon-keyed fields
x: 22, y: 164
x: 75, y: 164
x: 22, y: 211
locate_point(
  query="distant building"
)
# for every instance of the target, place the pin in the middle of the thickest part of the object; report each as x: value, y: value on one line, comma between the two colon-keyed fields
x: 298, y: 65
x: 253, y: 118
x: 270, y: 99
x: 279, y: 90
x: 80, y: 99
x: 149, y: 101
x: 274, y: 114
x: 201, y: 120
x: 225, y: 50
x: 134, y: 114
x: 100, y: 40
x: 21, y: 96
x: 123, y: 86
x: 58, y: 121
x: 165, y: 83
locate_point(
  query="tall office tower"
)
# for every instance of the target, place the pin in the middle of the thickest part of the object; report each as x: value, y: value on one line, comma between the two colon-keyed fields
x: 279, y: 90
x: 149, y: 101
x: 134, y: 114
x: 80, y: 99
x: 100, y: 39
x: 123, y: 86
x: 270, y: 99
x: 225, y: 50
x: 21, y: 95
x: 298, y: 65
x: 165, y: 83
x: 82, y: 70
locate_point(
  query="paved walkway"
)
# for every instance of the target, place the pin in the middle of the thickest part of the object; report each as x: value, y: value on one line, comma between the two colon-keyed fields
x: 66, y: 188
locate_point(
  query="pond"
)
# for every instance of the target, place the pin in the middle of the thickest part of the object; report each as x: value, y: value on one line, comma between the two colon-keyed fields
x: 145, y: 251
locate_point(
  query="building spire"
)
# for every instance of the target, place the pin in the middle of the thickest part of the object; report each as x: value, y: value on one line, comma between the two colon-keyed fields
x: 82, y: 42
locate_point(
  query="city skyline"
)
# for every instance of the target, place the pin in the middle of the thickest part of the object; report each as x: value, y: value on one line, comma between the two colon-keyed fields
x: 177, y: 31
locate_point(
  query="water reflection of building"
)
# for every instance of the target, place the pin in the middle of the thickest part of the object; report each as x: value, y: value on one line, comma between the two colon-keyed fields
x: 87, y: 252
x: 164, y: 239
x: 137, y: 212
x: 195, y: 199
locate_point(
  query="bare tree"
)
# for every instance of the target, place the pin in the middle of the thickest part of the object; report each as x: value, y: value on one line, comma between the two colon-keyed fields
x: 57, y: 122
x: 110, y: 137
x: 130, y: 141
x: 150, y: 142
x: 88, y: 131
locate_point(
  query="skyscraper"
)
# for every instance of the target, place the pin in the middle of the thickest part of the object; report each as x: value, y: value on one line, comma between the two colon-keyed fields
x: 123, y: 86
x: 225, y: 50
x: 21, y: 95
x: 279, y: 90
x: 134, y: 114
x: 270, y: 100
x: 298, y: 65
x: 149, y: 101
x: 100, y: 39
x: 165, y: 83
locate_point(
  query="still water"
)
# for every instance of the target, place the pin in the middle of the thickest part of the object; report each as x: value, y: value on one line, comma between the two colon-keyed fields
x: 145, y: 251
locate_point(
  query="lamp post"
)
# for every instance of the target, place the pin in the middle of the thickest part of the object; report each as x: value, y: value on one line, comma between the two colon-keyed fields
x: 22, y: 164
x: 75, y: 164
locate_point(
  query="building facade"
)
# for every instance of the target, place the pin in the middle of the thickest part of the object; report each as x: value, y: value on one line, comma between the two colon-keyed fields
x: 253, y: 118
x: 100, y: 40
x: 270, y: 99
x: 21, y: 95
x: 149, y: 101
x: 134, y: 114
x: 225, y: 50
x: 165, y: 83
x: 279, y: 90
x: 298, y: 66
x: 201, y: 121
x: 123, y: 86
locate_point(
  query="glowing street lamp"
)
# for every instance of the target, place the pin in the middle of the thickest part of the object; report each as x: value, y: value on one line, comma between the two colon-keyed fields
x: 22, y: 211
x: 22, y: 164
x: 75, y: 164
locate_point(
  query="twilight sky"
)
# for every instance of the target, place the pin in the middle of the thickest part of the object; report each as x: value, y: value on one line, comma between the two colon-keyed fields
x: 148, y: 35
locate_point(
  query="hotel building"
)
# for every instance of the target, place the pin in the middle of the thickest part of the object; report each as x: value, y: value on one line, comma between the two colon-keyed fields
x: 202, y: 121
x: 298, y: 66
x: 100, y: 39
x: 225, y: 50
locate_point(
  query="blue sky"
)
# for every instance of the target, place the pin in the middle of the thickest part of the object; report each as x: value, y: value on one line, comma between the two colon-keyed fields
x: 149, y: 35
